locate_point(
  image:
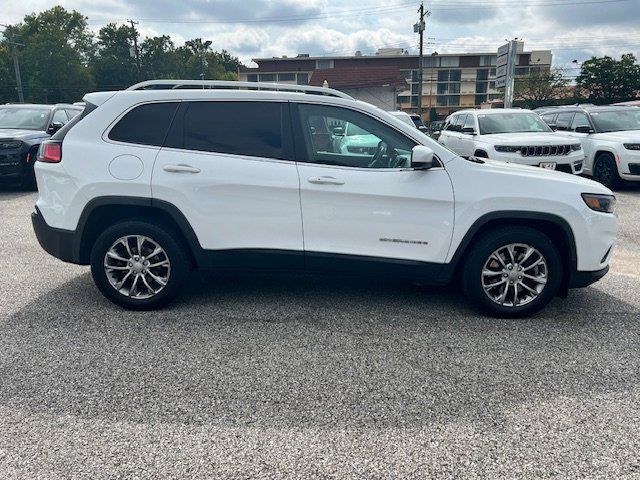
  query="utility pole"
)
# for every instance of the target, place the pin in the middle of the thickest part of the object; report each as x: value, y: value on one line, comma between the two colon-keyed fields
x: 135, y: 46
x: 16, y: 64
x: 419, y: 28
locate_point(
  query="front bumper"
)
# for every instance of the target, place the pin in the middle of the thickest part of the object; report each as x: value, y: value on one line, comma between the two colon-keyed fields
x: 571, y: 163
x: 59, y: 243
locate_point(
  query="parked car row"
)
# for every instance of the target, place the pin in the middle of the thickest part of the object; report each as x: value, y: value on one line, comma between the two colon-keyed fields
x: 23, y: 127
x: 309, y: 179
x: 610, y: 138
x: 513, y: 136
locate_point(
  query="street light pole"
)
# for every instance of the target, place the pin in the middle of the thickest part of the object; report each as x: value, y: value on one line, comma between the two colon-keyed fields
x: 206, y: 46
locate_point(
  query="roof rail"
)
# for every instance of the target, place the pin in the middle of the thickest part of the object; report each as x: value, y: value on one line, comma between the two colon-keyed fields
x: 234, y: 85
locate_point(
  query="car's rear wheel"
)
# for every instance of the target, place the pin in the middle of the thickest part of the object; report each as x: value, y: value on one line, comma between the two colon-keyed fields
x: 605, y: 171
x: 513, y: 272
x: 139, y: 265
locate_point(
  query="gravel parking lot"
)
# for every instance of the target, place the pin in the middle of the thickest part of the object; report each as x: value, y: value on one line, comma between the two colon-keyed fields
x: 306, y: 377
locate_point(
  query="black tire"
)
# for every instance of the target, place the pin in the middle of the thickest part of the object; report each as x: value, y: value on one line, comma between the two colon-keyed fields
x: 493, y: 240
x: 174, y: 250
x: 605, y: 171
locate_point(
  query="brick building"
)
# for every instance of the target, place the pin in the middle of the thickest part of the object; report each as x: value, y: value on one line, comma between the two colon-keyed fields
x: 390, y: 79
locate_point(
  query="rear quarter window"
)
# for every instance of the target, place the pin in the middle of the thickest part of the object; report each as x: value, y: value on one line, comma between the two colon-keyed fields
x: 145, y: 124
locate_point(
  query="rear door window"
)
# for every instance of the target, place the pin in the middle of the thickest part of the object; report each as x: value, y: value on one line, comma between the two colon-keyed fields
x: 145, y: 125
x: 239, y: 128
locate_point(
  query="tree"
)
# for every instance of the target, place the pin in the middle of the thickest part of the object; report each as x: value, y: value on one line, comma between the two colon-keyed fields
x: 159, y: 58
x: 57, y: 45
x: 540, y: 87
x: 113, y: 66
x: 608, y: 80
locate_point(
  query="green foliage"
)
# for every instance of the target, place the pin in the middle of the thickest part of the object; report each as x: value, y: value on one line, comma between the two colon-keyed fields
x: 605, y: 79
x: 539, y: 88
x: 55, y: 45
x: 61, y: 60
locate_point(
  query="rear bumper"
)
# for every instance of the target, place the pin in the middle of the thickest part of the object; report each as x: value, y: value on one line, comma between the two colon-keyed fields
x: 580, y: 279
x: 59, y: 243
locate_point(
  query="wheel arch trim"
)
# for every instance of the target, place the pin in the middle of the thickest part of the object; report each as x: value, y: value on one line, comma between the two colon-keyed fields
x: 504, y: 216
x: 119, y: 201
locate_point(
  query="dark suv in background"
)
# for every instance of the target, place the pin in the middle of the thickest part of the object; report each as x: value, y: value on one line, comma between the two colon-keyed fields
x: 22, y: 128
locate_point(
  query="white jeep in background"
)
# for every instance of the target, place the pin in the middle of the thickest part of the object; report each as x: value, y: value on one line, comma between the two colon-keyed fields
x: 610, y: 137
x: 512, y: 136
x: 148, y: 183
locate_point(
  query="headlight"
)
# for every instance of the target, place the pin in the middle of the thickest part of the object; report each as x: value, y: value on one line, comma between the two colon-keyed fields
x: 632, y: 146
x: 507, y: 148
x: 599, y: 203
x: 10, y: 144
x: 576, y: 146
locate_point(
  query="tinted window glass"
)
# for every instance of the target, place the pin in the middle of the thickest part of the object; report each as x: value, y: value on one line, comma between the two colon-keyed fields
x: 239, y: 128
x: 580, y: 120
x: 145, y: 125
x: 564, y: 120
x: 352, y: 139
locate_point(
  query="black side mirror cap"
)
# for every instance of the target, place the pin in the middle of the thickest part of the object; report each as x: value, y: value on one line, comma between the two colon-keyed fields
x: 469, y: 130
x: 583, y: 129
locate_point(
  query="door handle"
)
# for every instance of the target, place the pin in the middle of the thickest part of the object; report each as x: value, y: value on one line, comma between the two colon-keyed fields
x: 325, y: 181
x: 180, y: 169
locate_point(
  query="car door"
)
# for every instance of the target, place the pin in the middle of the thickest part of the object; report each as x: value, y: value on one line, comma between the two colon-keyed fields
x: 467, y: 141
x: 581, y: 119
x: 371, y: 209
x: 446, y: 136
x: 227, y: 166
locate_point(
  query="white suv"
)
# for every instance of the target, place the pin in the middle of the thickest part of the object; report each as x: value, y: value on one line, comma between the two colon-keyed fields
x: 610, y: 137
x: 148, y: 183
x: 513, y: 136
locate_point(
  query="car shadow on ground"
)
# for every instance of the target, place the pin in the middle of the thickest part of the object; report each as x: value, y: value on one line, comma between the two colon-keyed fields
x: 10, y: 192
x: 301, y: 351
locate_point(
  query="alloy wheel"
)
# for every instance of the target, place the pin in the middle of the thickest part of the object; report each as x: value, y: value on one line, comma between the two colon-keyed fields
x: 137, y: 266
x: 514, y: 275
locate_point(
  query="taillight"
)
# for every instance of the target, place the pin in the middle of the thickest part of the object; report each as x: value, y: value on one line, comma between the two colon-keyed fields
x: 50, y: 152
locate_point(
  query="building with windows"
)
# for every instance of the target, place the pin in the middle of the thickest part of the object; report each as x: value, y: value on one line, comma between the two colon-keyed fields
x: 389, y: 79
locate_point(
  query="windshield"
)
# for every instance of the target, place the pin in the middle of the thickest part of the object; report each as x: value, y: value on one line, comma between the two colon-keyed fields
x: 511, y: 123
x: 355, y: 130
x: 617, y: 120
x: 27, y: 118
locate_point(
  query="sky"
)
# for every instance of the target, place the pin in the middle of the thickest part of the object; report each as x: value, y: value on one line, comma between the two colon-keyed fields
x: 572, y: 29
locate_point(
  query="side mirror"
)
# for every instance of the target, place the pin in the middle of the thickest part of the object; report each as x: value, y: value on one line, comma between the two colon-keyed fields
x: 423, y: 129
x: 469, y: 130
x: 421, y: 158
x: 553, y: 126
x: 54, y: 127
x: 584, y: 129
x: 338, y: 131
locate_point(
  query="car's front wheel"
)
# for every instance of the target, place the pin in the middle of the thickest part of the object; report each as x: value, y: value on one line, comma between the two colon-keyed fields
x: 139, y: 265
x: 513, y: 272
x: 605, y: 171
